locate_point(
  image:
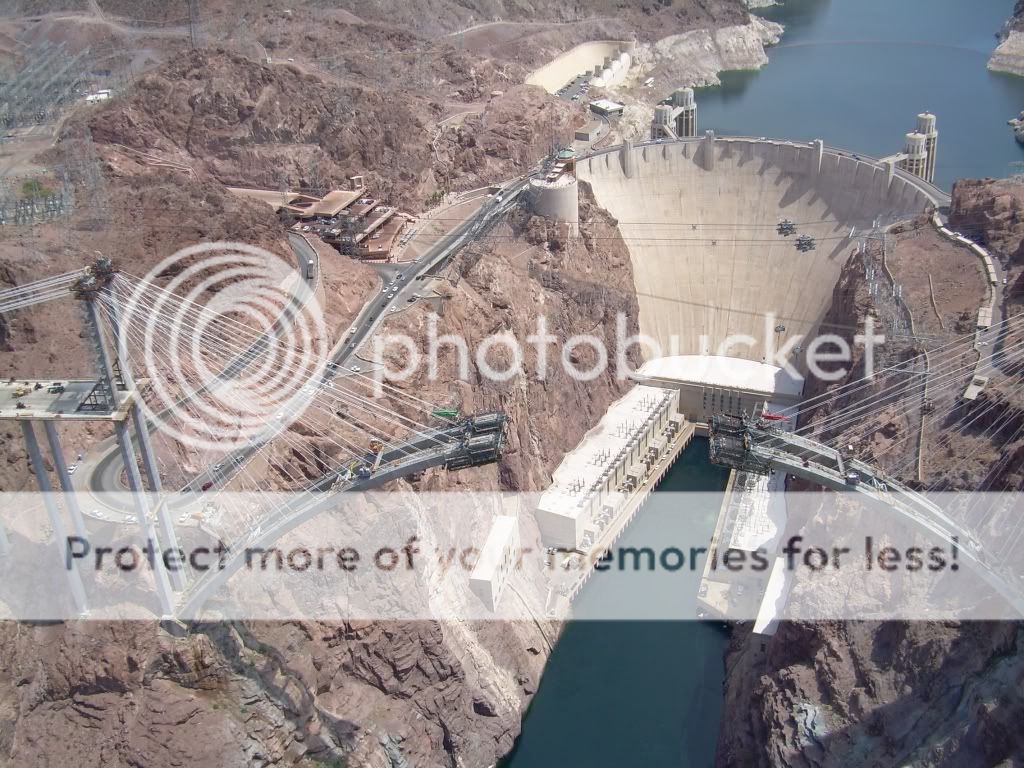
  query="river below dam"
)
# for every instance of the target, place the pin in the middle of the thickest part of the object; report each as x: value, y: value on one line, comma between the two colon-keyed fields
x: 854, y: 73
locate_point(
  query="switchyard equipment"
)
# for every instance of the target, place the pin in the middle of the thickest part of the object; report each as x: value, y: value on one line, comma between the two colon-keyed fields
x: 786, y: 228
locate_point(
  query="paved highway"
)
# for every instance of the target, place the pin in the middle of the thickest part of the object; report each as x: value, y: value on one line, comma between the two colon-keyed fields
x: 401, y: 284
x: 100, y: 472
x: 102, y: 475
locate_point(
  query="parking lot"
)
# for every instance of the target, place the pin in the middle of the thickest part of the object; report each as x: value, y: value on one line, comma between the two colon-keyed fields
x: 575, y: 89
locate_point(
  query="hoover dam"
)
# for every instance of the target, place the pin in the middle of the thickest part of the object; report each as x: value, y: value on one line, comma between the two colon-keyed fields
x: 701, y: 219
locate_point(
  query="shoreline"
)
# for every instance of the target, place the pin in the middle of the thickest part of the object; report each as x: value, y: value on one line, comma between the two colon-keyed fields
x: 1008, y: 57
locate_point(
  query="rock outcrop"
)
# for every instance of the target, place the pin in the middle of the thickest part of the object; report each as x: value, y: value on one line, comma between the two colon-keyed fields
x: 991, y: 212
x: 895, y: 693
x: 696, y: 58
x: 1009, y: 54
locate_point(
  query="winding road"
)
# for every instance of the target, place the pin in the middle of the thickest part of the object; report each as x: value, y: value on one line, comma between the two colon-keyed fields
x: 100, y: 473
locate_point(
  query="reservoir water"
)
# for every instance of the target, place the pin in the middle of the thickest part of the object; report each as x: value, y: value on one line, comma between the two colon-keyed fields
x: 854, y: 73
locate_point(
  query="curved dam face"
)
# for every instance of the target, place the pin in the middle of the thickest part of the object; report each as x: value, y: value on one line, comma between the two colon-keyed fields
x: 700, y: 220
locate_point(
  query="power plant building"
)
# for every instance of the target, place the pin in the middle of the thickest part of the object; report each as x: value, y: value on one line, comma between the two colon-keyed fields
x: 497, y: 558
x: 596, y: 477
x: 606, y: 107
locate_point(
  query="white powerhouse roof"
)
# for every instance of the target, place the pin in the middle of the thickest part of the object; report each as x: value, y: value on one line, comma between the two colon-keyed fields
x: 600, y: 449
x: 728, y: 372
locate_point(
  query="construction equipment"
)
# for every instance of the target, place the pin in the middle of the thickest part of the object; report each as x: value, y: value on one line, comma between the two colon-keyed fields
x: 445, y: 413
x: 20, y: 392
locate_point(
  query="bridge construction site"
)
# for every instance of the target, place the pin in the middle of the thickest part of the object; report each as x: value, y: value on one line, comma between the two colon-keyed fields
x: 721, y: 233
x: 115, y: 397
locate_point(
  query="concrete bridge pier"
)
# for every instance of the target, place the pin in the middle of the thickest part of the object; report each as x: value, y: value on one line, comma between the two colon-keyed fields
x: 124, y: 443
x: 167, y: 536
x: 61, y: 466
x: 56, y: 521
x: 163, y: 584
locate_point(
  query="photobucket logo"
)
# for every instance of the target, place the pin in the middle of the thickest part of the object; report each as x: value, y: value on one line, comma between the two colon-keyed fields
x: 229, y: 342
x: 501, y: 357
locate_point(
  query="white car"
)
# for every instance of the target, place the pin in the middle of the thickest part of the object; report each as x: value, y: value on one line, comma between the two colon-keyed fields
x: 356, y: 369
x: 353, y: 329
x: 72, y: 469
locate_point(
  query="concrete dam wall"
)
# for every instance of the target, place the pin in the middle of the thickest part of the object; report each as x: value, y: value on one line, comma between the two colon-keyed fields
x: 700, y: 217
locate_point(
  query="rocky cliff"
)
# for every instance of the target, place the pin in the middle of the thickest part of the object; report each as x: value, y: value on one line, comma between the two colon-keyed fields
x: 897, y: 693
x: 1009, y: 54
x: 991, y: 211
x: 245, y: 123
x: 374, y: 693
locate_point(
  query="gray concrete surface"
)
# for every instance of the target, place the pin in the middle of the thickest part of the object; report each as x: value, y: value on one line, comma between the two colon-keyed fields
x: 707, y: 259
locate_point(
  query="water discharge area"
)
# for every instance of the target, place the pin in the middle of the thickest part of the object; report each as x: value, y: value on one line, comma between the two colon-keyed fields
x: 614, y: 690
x: 636, y: 693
